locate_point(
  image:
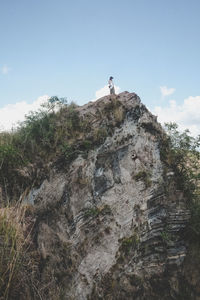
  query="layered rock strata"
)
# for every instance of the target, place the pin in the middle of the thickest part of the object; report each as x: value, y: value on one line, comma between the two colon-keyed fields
x: 110, y: 226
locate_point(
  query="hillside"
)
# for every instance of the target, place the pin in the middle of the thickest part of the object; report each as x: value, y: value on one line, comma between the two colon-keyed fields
x: 102, y: 210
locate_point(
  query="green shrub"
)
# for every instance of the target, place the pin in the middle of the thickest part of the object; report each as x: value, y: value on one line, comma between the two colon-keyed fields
x: 194, y: 223
x: 166, y: 236
x: 145, y: 177
x: 9, y: 157
x: 111, y: 105
x: 96, y: 211
x: 91, y: 212
x: 87, y: 144
x: 129, y: 243
x: 106, y: 210
x: 100, y: 135
x: 180, y: 152
x: 67, y: 150
x: 114, y: 110
x: 54, y: 134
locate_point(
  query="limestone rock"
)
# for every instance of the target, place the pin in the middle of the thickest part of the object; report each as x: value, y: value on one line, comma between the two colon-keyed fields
x: 110, y: 226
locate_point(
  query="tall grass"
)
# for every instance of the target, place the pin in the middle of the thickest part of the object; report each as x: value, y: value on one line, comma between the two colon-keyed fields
x: 17, y: 258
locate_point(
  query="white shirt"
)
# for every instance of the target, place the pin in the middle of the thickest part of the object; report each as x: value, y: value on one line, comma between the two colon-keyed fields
x: 110, y: 84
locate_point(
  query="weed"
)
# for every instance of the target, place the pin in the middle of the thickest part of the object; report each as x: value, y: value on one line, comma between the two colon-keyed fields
x: 118, y: 114
x: 129, y: 243
x: 96, y: 211
x: 111, y: 105
x: 67, y: 151
x: 91, y: 212
x: 114, y: 110
x: 106, y: 210
x: 16, y: 261
x: 100, y: 135
x: 166, y: 236
x: 87, y: 144
x: 145, y: 177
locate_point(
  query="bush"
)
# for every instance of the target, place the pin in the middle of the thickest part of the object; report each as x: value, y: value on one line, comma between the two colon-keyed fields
x: 129, y: 243
x: 44, y: 135
x: 114, y: 110
x: 96, y: 211
x: 100, y: 134
x: 9, y: 157
x: 67, y: 151
x: 145, y: 177
x: 54, y: 135
x: 91, y: 212
x: 180, y: 151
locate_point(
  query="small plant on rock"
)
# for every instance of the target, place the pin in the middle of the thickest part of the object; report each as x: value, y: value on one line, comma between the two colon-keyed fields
x: 129, y: 243
x: 145, y: 177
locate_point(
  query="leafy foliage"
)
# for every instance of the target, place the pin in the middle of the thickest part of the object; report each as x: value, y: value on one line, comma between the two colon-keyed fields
x: 9, y: 157
x: 38, y: 140
x: 182, y: 154
x: 145, y: 177
x: 52, y: 136
x: 37, y: 134
x: 180, y: 151
x: 129, y: 243
x: 96, y: 211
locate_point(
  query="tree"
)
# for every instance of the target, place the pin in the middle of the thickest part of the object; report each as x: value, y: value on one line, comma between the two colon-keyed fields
x: 183, y: 155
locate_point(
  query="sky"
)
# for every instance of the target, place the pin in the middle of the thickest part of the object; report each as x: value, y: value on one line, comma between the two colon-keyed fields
x: 71, y: 48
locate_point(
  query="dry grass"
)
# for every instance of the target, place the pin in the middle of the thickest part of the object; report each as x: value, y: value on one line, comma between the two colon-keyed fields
x: 118, y: 114
x: 17, y: 260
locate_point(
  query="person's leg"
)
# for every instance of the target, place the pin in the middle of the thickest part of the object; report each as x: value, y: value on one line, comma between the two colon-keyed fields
x: 112, y: 91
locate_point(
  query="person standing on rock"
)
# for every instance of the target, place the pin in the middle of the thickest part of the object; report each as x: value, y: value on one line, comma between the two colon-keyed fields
x: 111, y: 86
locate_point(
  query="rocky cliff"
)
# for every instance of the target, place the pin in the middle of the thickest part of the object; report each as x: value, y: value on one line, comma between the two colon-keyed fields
x: 109, y: 223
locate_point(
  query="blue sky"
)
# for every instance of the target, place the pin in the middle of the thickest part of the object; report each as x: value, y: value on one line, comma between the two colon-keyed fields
x: 70, y: 48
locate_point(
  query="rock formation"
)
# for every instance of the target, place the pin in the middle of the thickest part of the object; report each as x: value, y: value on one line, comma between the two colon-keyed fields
x: 110, y: 226
x: 110, y: 223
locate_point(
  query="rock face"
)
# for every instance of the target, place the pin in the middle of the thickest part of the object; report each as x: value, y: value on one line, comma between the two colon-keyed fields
x: 111, y: 225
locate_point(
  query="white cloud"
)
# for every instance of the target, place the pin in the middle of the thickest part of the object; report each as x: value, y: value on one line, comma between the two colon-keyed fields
x: 187, y: 115
x: 5, y: 69
x: 11, y: 114
x: 104, y: 92
x: 166, y: 91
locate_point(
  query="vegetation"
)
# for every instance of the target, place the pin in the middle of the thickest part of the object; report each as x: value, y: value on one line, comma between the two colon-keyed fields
x: 166, y: 236
x: 18, y: 259
x: 129, y: 243
x: 54, y: 135
x: 57, y: 134
x: 96, y: 211
x: 91, y: 212
x: 115, y: 111
x: 145, y: 177
x: 180, y: 152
